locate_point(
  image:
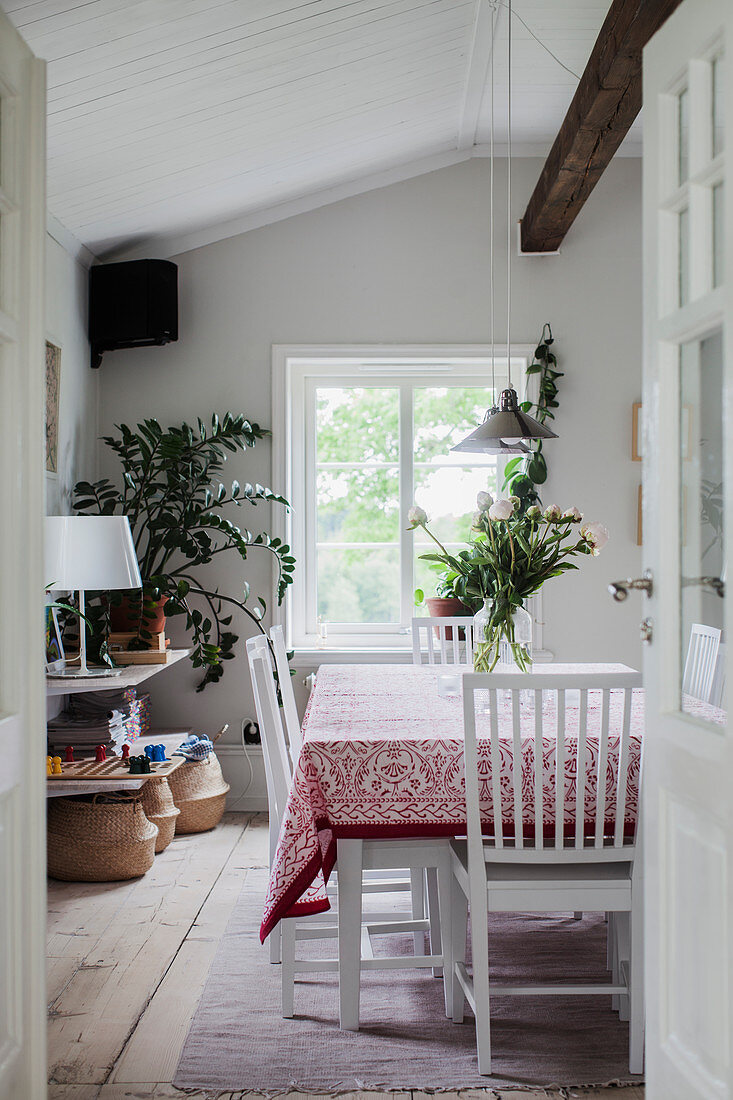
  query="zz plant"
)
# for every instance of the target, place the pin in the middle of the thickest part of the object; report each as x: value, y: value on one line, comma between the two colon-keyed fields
x: 171, y: 492
x: 523, y: 475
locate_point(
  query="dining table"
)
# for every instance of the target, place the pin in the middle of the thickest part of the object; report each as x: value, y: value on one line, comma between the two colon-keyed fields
x: 382, y: 756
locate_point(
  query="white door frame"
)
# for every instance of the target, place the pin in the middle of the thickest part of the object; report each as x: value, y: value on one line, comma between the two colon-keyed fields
x: 22, y: 695
x: 688, y: 777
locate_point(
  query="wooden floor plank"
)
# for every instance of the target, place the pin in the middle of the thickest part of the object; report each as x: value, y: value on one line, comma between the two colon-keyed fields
x: 155, y: 1046
x: 92, y: 1018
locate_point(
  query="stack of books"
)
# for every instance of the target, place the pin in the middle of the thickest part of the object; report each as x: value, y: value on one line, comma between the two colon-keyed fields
x: 109, y: 718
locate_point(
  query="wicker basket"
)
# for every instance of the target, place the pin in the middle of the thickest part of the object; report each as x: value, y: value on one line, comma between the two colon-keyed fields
x: 157, y: 802
x: 199, y: 791
x: 104, y: 838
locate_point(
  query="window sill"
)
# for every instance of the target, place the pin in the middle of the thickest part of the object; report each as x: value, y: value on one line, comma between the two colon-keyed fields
x: 380, y: 655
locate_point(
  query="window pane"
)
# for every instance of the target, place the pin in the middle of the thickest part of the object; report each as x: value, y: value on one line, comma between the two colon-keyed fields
x: 683, y: 136
x: 683, y: 257
x: 357, y: 424
x: 718, y: 234
x: 702, y: 508
x: 718, y: 104
x: 448, y: 495
x: 358, y: 505
x: 359, y: 586
x: 443, y: 416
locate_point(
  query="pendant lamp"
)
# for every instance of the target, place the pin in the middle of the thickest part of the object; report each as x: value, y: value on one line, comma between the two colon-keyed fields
x: 505, y: 425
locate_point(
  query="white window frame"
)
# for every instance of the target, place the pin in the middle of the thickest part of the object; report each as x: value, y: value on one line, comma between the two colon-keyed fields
x: 297, y: 370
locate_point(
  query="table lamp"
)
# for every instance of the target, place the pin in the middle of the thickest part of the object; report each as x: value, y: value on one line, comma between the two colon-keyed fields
x: 92, y: 553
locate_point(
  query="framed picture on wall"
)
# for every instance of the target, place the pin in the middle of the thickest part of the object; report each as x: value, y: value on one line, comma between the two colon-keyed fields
x: 636, y: 433
x: 53, y: 386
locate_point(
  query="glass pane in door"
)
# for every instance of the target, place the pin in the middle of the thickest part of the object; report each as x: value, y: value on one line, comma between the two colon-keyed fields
x: 701, y: 529
x: 718, y: 74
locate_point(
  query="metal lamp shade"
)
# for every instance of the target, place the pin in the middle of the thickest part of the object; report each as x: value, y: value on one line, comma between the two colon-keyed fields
x: 508, y: 422
x: 92, y: 553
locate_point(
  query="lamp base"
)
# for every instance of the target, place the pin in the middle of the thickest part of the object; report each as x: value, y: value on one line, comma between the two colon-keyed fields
x: 85, y: 674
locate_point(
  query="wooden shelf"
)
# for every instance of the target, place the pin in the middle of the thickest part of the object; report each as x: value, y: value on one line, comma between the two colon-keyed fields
x: 130, y: 676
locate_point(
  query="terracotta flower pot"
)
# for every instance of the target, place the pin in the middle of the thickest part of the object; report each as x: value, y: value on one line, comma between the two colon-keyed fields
x: 445, y: 607
x: 125, y: 617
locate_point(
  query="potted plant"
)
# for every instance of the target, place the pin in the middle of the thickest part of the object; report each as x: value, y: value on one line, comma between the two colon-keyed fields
x: 170, y: 490
x: 509, y: 557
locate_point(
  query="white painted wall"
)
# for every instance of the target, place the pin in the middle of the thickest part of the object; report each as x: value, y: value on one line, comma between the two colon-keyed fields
x: 409, y: 263
x: 66, y: 326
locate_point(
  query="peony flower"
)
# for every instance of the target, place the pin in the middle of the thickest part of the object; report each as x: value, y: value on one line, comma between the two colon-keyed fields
x: 515, y: 501
x: 417, y: 517
x: 476, y: 524
x: 552, y: 513
x: 484, y: 501
x: 534, y: 511
x: 501, y: 509
x: 596, y: 535
x: 573, y: 514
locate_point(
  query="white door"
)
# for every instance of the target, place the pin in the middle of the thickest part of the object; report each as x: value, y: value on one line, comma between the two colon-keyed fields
x: 22, y: 703
x: 688, y: 491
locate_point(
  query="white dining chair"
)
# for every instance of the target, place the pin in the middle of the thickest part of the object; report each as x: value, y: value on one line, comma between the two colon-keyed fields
x: 717, y: 692
x: 287, y: 695
x: 355, y: 952
x: 423, y: 888
x: 517, y: 868
x: 700, y: 664
x: 448, y: 640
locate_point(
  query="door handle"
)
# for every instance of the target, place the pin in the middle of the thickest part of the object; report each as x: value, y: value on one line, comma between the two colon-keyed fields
x: 716, y: 583
x: 620, y: 589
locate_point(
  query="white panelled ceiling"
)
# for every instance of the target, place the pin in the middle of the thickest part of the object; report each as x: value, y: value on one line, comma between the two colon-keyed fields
x: 166, y: 117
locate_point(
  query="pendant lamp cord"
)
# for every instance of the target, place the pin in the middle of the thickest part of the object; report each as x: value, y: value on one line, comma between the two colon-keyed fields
x: 509, y: 196
x: 491, y: 211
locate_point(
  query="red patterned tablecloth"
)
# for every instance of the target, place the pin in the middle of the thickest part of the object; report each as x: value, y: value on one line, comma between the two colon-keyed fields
x: 383, y: 756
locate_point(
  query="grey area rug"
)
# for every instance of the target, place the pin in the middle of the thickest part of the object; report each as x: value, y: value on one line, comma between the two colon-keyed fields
x: 239, y: 1040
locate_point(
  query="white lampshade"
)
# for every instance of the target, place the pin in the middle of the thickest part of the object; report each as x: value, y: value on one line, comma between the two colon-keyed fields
x: 92, y: 553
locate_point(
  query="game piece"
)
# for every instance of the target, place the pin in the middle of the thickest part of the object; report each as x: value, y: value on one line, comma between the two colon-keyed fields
x: 100, y: 754
x: 69, y: 754
x: 49, y: 766
x: 159, y: 756
x: 149, y: 751
x: 134, y: 765
x: 145, y: 766
x: 57, y: 765
x: 125, y: 752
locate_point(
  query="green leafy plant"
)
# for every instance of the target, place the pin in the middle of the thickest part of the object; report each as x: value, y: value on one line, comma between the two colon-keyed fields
x: 171, y: 493
x: 510, y: 555
x: 523, y: 475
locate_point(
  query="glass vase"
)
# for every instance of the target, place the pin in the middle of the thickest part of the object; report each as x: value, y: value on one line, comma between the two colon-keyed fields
x: 502, y: 632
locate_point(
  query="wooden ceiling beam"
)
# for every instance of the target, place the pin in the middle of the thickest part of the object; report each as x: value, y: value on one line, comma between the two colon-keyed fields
x: 605, y: 104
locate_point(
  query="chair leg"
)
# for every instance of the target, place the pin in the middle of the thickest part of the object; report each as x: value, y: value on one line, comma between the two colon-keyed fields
x: 417, y: 890
x: 275, y: 938
x: 350, y: 862
x: 458, y: 928
x: 480, y: 956
x: 578, y: 915
x: 444, y: 883
x: 622, y: 940
x: 612, y: 954
x: 636, y: 992
x: 435, y: 914
x: 287, y: 976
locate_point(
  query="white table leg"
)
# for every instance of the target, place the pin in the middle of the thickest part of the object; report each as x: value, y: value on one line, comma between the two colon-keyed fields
x: 349, y: 864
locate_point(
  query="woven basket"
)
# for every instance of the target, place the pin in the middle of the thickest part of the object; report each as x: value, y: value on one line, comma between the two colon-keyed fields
x: 105, y: 839
x: 157, y: 802
x: 199, y: 791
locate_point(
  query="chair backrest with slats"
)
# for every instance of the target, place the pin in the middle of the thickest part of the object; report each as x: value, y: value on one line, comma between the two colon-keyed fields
x: 586, y: 719
x: 285, y: 680
x: 274, y: 746
x: 717, y: 693
x: 700, y: 664
x: 447, y: 640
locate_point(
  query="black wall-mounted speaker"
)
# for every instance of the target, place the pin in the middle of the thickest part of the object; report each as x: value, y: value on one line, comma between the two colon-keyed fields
x: 132, y: 305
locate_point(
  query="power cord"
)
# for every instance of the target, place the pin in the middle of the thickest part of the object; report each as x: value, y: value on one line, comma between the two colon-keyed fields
x: 248, y: 728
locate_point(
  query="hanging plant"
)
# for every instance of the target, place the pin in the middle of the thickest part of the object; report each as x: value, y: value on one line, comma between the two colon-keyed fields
x: 523, y: 475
